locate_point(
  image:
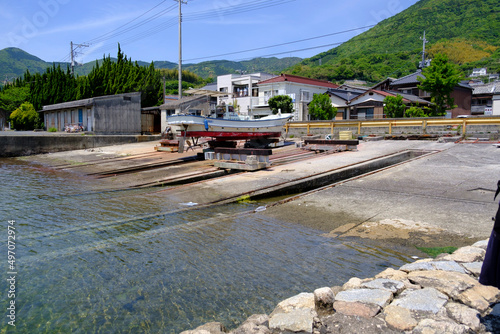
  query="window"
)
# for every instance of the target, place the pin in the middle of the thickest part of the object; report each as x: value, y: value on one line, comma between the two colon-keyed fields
x: 269, y: 93
x: 305, y: 96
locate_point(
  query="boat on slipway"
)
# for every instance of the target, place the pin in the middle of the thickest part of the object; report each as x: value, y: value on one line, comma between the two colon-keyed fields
x: 230, y: 127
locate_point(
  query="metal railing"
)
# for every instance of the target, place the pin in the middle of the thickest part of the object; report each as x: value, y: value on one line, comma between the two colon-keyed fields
x: 423, y: 123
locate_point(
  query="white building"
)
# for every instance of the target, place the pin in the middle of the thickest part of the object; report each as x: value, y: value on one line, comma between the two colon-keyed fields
x: 300, y: 89
x: 243, y: 88
x: 479, y: 72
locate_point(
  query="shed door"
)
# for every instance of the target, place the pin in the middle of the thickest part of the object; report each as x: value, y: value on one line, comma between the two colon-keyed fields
x: 89, y: 119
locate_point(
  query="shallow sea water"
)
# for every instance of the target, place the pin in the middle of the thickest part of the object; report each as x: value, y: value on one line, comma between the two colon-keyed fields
x: 138, y: 261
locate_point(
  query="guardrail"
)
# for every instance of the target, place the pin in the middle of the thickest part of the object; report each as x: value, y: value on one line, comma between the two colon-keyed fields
x: 390, y: 123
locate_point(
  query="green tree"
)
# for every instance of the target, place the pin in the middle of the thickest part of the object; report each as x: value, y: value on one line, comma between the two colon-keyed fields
x: 283, y: 102
x: 25, y: 117
x: 440, y: 80
x: 415, y: 111
x: 11, y: 97
x: 394, y: 106
x: 321, y: 107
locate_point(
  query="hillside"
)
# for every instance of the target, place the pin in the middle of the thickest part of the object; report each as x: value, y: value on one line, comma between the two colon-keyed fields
x: 14, y: 62
x: 467, y: 30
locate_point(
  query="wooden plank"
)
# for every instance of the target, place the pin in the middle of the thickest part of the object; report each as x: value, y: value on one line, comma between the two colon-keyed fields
x: 331, y: 142
x: 244, y: 151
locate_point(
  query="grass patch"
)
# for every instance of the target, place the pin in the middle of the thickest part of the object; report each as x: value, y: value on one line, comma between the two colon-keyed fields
x: 244, y: 199
x: 435, y: 251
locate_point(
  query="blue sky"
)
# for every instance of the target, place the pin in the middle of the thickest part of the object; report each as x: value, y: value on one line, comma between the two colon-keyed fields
x: 147, y: 30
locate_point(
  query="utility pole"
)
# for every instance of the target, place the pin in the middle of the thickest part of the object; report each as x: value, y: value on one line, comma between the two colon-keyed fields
x: 180, y: 46
x: 423, y: 51
x: 74, y: 54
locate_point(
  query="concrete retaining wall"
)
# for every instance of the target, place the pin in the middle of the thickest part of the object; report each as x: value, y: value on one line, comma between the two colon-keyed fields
x: 482, y: 131
x: 21, y: 145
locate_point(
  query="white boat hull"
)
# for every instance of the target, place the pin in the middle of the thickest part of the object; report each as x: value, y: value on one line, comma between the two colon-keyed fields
x: 228, y: 129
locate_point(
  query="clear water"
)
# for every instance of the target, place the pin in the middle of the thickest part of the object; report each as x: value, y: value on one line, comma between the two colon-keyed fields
x: 139, y: 262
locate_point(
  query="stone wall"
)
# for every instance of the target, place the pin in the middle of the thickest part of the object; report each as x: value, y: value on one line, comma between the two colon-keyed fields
x: 21, y: 145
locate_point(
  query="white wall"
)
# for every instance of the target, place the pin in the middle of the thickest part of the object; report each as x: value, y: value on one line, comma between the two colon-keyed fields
x: 299, y: 92
x: 496, y: 105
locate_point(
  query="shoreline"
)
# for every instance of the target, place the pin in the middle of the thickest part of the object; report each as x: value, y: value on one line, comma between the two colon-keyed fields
x: 427, y: 296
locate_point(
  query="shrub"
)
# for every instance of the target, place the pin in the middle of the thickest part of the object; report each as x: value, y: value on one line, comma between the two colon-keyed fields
x: 25, y: 117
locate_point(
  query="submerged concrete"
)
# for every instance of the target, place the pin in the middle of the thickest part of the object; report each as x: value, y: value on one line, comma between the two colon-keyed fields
x: 444, y: 198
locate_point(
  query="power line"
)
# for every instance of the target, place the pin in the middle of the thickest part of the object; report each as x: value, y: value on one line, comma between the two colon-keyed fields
x: 282, y: 44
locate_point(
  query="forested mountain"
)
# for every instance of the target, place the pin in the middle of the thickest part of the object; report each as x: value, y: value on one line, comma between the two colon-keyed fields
x: 211, y: 69
x: 468, y: 31
x: 14, y: 62
x: 107, y: 77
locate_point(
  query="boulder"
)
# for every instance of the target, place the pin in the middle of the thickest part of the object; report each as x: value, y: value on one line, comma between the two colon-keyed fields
x: 431, y: 326
x: 448, y: 282
x: 473, y: 267
x: 353, y: 283
x: 480, y: 297
x: 385, y: 284
x: 342, y: 324
x: 295, y: 314
x: 425, y: 300
x: 297, y: 320
x: 481, y: 244
x: 466, y: 254
x: 464, y: 315
x: 256, y: 324
x: 367, y: 296
x: 356, y: 309
x: 416, y: 266
x: 323, y: 301
x: 399, y: 318
x: 209, y: 328
x: 394, y: 274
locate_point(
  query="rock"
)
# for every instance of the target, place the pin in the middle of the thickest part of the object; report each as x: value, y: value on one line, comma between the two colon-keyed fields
x: 431, y: 326
x: 399, y: 318
x: 297, y: 320
x: 464, y: 315
x: 448, y: 266
x: 480, y: 297
x: 323, y: 301
x: 356, y: 309
x: 426, y: 265
x: 366, y: 296
x: 295, y: 314
x: 451, y: 283
x: 466, y: 254
x: 343, y: 324
x: 426, y: 300
x: 481, y: 244
x: 302, y: 300
x: 394, y: 274
x: 256, y: 324
x: 353, y: 283
x: 209, y: 328
x: 410, y: 286
x: 385, y: 284
x: 416, y: 266
x: 473, y: 267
